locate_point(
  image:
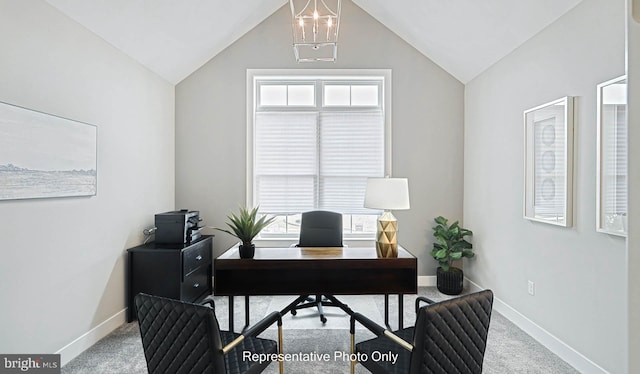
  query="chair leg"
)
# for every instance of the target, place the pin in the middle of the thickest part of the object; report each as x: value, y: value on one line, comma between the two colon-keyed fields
x: 320, y: 310
x: 280, y: 340
x: 353, y: 349
x: 310, y: 303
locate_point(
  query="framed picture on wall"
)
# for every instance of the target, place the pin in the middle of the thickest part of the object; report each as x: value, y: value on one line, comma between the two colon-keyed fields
x: 44, y: 156
x: 548, y: 130
x: 611, y: 208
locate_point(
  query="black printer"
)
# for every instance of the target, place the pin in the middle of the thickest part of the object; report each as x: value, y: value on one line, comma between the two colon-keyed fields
x: 178, y: 227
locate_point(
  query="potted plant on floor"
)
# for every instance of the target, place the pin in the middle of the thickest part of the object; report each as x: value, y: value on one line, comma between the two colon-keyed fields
x: 450, y: 246
x: 246, y: 226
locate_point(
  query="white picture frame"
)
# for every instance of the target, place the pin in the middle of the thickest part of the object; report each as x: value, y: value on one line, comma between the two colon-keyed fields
x: 45, y: 156
x: 548, y: 144
x: 611, y: 186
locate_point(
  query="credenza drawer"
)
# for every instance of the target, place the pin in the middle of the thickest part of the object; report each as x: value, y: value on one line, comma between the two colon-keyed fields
x: 175, y: 271
x: 195, y: 284
x: 195, y: 257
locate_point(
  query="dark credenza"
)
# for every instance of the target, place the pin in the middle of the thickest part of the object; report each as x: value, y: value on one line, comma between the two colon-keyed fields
x: 176, y: 271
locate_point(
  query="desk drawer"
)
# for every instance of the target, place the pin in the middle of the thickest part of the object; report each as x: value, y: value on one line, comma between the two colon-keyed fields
x: 195, y: 257
x: 195, y: 284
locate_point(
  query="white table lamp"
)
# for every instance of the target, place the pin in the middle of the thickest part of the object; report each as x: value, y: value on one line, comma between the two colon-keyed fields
x: 387, y: 194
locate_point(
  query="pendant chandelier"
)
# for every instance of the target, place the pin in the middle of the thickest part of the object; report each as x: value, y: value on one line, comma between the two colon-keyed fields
x: 315, y: 26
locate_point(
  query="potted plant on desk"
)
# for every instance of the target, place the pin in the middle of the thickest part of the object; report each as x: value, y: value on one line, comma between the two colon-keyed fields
x: 246, y: 226
x: 450, y: 246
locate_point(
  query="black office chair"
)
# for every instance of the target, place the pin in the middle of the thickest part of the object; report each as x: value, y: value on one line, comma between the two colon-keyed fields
x: 319, y: 228
x: 448, y: 337
x: 180, y: 337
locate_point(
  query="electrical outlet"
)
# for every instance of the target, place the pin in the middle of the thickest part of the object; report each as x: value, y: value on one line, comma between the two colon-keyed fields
x: 531, y: 288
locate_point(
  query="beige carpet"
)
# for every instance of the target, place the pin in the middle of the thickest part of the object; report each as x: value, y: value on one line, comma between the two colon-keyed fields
x: 509, y: 349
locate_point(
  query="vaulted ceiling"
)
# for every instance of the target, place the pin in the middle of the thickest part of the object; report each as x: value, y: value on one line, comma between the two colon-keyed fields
x: 174, y: 38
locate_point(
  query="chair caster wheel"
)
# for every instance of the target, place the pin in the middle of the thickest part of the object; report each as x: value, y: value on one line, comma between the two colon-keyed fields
x: 324, y: 320
x: 293, y: 312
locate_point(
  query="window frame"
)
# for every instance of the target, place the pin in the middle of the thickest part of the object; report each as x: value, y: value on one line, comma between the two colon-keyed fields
x: 267, y: 108
x: 358, y: 82
x: 297, y: 76
x: 601, y: 173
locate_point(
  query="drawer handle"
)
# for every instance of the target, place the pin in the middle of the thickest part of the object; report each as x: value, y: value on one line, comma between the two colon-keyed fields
x: 196, y: 285
x: 199, y: 258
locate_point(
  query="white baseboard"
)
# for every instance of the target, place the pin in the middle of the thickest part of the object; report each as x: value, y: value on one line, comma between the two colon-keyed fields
x: 432, y: 281
x: 426, y: 281
x: 73, y: 349
x: 551, y: 342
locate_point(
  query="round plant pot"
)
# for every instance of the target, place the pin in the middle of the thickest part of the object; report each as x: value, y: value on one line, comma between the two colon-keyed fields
x: 247, y: 251
x: 450, y: 282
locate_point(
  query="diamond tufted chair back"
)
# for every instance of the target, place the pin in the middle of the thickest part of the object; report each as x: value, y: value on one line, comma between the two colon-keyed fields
x: 451, y: 336
x: 179, y: 337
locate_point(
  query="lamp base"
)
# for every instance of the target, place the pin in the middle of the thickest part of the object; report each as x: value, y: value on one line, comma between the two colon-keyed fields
x: 387, y: 236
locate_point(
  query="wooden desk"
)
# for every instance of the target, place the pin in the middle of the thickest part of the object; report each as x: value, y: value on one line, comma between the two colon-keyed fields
x: 310, y: 271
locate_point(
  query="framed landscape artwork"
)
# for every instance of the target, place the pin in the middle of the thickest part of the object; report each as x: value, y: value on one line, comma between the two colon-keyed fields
x: 548, y: 162
x: 43, y: 156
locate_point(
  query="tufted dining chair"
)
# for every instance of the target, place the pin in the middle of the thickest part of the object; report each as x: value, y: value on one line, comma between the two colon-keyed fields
x: 449, y: 337
x: 180, y: 337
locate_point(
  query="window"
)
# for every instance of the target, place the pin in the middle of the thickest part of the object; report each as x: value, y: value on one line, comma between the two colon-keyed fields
x: 314, y: 141
x: 612, y: 157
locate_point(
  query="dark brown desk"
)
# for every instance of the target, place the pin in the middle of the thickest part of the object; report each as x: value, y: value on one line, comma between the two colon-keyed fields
x: 310, y: 271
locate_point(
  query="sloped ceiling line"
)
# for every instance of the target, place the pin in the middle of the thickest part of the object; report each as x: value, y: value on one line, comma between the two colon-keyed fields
x: 175, y: 38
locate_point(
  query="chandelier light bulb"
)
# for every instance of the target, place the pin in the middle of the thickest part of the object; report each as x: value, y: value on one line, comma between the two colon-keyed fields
x: 315, y: 14
x: 330, y: 22
x: 301, y: 22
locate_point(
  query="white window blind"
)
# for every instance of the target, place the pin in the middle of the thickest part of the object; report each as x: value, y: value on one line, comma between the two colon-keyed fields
x: 316, y: 157
x: 351, y: 150
x: 614, y: 161
x: 286, y: 167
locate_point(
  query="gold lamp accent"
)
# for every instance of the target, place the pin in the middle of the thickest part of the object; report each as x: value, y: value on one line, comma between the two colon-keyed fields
x: 387, y: 194
x: 315, y: 25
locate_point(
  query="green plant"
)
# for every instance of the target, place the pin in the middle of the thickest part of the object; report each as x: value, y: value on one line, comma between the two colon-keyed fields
x: 450, y: 244
x: 246, y: 226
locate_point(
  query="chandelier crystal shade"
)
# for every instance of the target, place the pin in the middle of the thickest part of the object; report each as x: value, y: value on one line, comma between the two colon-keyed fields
x: 315, y: 25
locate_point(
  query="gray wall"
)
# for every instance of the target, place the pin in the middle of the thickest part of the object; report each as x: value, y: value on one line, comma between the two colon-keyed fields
x: 633, y: 241
x: 427, y: 118
x: 63, y: 260
x: 62, y: 271
x: 579, y: 273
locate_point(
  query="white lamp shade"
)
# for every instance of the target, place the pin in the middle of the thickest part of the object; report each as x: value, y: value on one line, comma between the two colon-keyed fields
x: 387, y: 193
